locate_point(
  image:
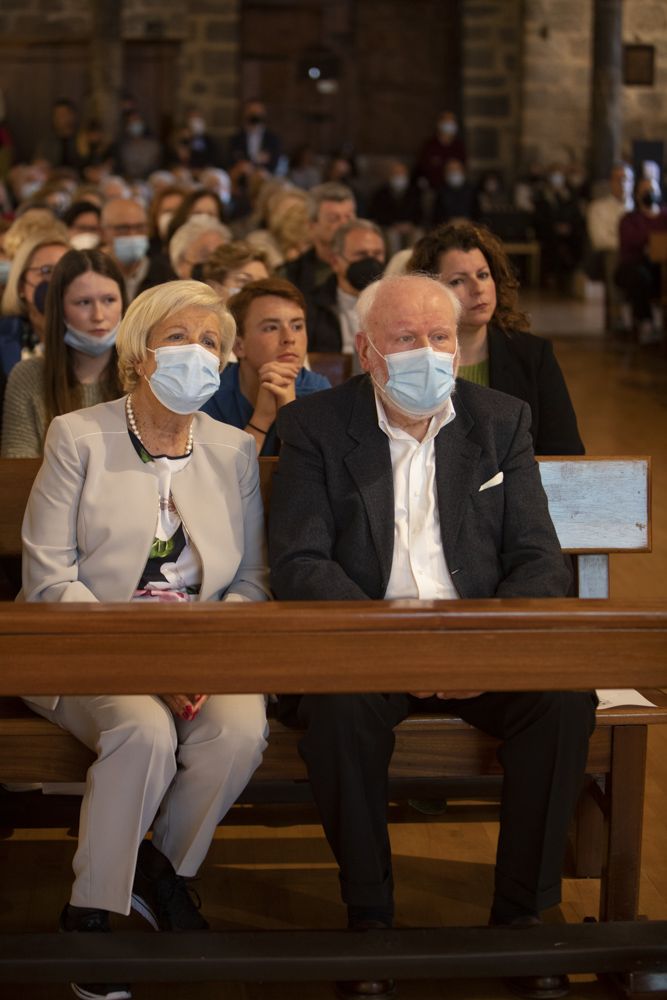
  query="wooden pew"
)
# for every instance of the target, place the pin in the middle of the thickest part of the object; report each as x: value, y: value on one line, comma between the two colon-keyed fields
x: 598, y: 506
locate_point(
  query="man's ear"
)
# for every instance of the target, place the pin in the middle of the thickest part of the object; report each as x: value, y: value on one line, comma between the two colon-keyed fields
x: 361, y: 344
x: 239, y: 349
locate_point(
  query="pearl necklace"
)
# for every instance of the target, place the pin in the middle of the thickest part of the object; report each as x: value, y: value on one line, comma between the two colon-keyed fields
x: 132, y: 421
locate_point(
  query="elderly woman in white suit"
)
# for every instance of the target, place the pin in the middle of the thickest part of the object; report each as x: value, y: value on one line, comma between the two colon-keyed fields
x: 146, y: 499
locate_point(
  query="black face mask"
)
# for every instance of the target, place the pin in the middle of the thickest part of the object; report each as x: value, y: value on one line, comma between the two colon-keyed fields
x: 650, y: 198
x: 255, y: 119
x: 39, y: 297
x: 360, y: 273
x: 197, y: 272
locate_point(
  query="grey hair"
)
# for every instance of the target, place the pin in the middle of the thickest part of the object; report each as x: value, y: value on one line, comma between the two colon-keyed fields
x: 366, y: 300
x: 338, y: 242
x: 189, y: 232
x: 330, y: 191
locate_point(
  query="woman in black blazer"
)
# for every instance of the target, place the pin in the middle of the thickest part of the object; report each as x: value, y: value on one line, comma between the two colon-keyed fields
x: 496, y: 348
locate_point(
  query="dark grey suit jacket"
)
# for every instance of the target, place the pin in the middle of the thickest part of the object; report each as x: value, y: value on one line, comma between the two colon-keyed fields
x: 332, y: 505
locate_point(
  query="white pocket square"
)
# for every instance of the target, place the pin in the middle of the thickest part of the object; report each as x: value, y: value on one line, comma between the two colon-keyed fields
x: 494, y: 481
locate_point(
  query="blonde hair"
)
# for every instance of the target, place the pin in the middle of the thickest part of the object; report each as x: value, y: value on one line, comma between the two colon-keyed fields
x: 12, y: 303
x: 33, y: 222
x: 156, y: 305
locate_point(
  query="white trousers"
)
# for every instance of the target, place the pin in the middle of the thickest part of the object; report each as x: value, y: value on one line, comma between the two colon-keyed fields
x: 148, y: 760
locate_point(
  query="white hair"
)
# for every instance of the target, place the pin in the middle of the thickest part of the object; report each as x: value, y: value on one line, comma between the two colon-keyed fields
x: 366, y: 300
x: 189, y: 232
x: 217, y: 180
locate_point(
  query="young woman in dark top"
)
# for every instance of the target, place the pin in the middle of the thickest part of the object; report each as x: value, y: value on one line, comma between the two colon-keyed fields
x: 496, y: 347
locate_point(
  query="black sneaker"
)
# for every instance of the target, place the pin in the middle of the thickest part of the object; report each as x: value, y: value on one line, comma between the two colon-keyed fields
x: 162, y: 897
x: 79, y: 918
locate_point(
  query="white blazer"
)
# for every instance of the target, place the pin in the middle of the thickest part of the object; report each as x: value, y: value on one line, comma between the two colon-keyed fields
x: 92, y: 512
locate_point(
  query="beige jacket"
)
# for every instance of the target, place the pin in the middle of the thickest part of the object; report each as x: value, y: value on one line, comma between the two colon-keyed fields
x: 90, y: 519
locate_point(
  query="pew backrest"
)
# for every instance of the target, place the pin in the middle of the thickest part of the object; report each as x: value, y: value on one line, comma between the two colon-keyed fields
x: 598, y: 506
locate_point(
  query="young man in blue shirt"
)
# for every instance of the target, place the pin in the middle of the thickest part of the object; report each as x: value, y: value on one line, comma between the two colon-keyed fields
x: 271, y: 344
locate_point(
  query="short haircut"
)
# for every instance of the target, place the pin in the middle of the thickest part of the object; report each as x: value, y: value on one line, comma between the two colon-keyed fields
x: 330, y: 191
x: 110, y: 205
x: 229, y: 257
x: 367, y: 298
x: 189, y: 232
x: 80, y: 208
x: 156, y: 305
x: 338, y: 242
x: 240, y: 303
x: 12, y: 304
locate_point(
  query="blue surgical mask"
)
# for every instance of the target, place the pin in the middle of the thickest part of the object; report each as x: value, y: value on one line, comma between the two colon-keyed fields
x: 5, y: 267
x: 130, y: 249
x: 420, y: 382
x: 185, y: 378
x: 87, y: 343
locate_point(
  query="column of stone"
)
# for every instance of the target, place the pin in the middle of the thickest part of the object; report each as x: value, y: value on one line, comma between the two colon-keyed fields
x: 106, y: 63
x: 606, y: 110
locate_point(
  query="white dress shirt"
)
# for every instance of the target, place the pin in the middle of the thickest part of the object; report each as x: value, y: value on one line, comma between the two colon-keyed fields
x: 418, y: 567
x: 602, y: 219
x: 348, y: 319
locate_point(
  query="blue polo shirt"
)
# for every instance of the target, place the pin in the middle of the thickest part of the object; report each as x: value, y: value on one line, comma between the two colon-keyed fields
x: 230, y: 406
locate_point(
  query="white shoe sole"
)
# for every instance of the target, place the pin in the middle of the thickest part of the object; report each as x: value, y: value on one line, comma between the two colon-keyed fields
x: 84, y: 994
x: 140, y: 906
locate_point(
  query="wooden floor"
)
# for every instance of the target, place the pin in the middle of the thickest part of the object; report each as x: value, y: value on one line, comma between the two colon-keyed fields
x: 279, y: 874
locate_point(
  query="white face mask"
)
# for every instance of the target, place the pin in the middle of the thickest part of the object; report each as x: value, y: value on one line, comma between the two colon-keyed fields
x: 448, y: 128
x: 87, y: 343
x: 84, y: 241
x: 185, y: 378
x: 420, y: 382
x: 163, y: 220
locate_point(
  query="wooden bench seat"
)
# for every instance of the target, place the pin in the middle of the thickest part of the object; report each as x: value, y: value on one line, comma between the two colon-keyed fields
x: 598, y: 506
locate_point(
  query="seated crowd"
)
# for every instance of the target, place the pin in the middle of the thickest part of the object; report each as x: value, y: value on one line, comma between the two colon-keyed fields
x: 155, y: 336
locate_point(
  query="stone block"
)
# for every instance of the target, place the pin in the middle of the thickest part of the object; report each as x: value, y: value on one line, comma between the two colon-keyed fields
x: 473, y: 10
x: 482, y: 57
x: 216, y: 62
x: 214, y: 6
x: 218, y: 30
x: 483, y: 142
x: 488, y: 106
x: 483, y: 81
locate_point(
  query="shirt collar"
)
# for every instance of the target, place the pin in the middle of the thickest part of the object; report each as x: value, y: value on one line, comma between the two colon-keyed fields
x: 436, y: 423
x: 345, y: 300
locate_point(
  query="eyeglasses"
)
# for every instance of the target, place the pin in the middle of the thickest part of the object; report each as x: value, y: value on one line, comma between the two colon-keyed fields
x: 46, y: 270
x: 129, y: 229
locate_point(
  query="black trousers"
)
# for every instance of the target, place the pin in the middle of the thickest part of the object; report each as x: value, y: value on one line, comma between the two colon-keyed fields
x: 348, y: 743
x: 641, y: 283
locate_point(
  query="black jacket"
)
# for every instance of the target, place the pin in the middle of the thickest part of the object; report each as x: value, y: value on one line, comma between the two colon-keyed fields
x: 525, y: 366
x: 322, y: 322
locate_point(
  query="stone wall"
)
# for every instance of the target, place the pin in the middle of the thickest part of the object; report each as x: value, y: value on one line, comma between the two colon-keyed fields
x: 491, y: 58
x: 645, y: 108
x: 192, y: 43
x: 525, y: 69
x: 556, y: 77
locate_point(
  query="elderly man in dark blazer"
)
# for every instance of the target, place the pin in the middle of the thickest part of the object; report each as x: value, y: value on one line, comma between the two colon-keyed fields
x: 393, y: 485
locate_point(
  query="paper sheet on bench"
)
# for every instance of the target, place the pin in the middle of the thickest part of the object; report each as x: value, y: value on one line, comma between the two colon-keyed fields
x: 615, y: 697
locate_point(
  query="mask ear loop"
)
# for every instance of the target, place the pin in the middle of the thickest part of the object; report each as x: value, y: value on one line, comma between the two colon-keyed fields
x: 373, y: 379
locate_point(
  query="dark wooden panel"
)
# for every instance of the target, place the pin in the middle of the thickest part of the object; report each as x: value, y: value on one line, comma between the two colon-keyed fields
x: 361, y: 646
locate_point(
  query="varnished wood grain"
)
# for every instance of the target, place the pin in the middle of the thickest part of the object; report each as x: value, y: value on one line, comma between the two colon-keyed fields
x: 361, y: 646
